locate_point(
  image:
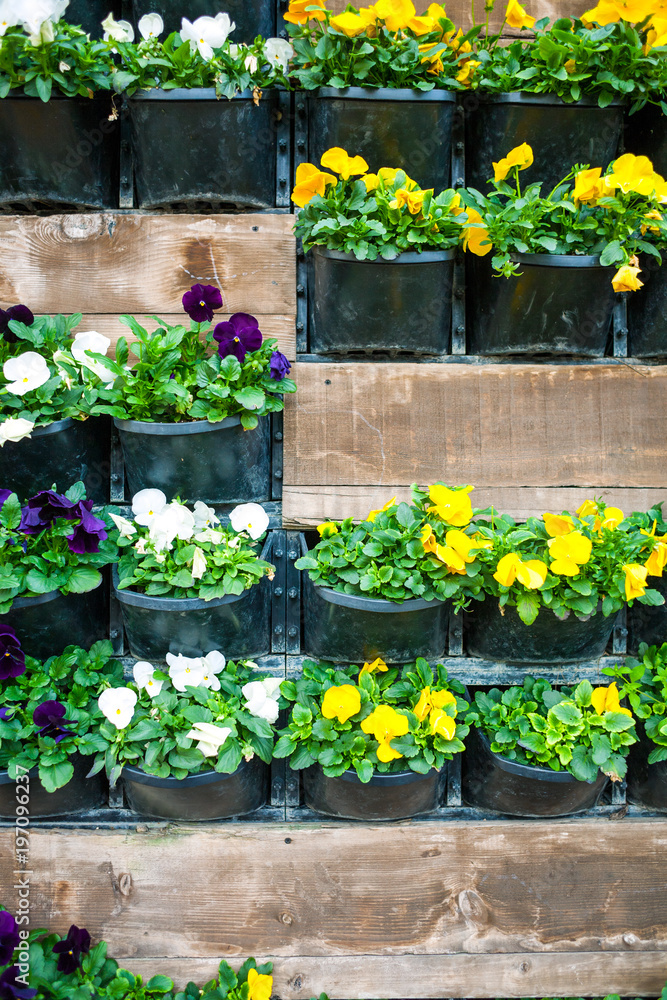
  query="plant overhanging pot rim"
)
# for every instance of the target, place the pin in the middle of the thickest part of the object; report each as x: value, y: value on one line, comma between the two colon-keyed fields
x: 176, y: 428
x: 52, y: 595
x: 141, y: 777
x: 525, y: 97
x: 559, y: 260
x: 385, y: 94
x: 199, y: 94
x: 385, y: 780
x: 409, y: 257
x: 534, y: 771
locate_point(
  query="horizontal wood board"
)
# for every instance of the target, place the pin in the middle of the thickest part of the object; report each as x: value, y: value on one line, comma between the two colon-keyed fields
x: 443, y: 909
x: 107, y: 264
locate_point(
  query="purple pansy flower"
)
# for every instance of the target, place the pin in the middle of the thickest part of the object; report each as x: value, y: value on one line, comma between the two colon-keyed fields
x: 238, y: 335
x: 5, y: 715
x: 87, y: 536
x: 50, y: 717
x: 280, y: 366
x: 41, y: 509
x: 19, y: 313
x: 200, y: 302
x: 12, y: 657
x: 10, y: 989
x: 3, y: 496
x: 9, y: 936
x: 70, y: 950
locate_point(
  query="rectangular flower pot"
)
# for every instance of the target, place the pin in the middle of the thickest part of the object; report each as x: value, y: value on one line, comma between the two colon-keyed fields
x: 79, y: 795
x: 384, y: 797
x: 646, y: 783
x: 647, y: 309
x: 47, y: 623
x: 251, y: 17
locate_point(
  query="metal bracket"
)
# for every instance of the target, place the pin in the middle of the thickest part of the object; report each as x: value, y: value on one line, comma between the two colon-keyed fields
x: 276, y: 456
x: 302, y: 296
x: 293, y: 612
x: 126, y: 177
x: 283, y: 149
x: 117, y: 488
x: 278, y: 587
x: 456, y: 634
x: 453, y: 794
x: 620, y: 635
x: 458, y: 285
x: 620, y: 327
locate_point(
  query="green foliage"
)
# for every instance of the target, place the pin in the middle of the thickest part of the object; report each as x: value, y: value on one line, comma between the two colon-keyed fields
x: 71, y: 63
x: 643, y: 681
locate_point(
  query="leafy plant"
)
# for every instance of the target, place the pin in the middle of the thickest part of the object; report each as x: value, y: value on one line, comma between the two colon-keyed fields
x: 577, y: 729
x: 251, y: 982
x: 643, y: 681
x: 376, y: 718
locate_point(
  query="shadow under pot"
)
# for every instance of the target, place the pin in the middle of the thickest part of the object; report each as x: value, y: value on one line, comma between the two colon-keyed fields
x: 251, y: 17
x: 79, y: 795
x: 62, y: 454
x: 225, y: 154
x: 384, y: 797
x: 491, y: 781
x: 205, y: 796
x: 348, y: 628
x: 47, y: 623
x: 647, y: 311
x: 396, y: 305
x: 559, y: 134
x: 646, y: 623
x: 505, y: 638
x: 556, y: 304
x: 216, y: 463
x: 236, y: 624
x: 646, y: 783
x: 646, y: 135
x: 407, y: 129
x: 60, y: 154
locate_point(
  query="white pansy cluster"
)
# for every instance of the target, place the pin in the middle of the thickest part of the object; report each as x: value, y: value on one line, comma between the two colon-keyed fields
x: 262, y: 698
x: 15, y: 429
x: 98, y: 344
x: 207, y: 33
x: 36, y: 17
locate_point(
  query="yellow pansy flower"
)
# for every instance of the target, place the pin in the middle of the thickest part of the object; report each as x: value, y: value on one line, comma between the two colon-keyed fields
x: 467, y: 71
x: 374, y: 513
x: 455, y: 41
x: 441, y: 724
x: 384, y: 723
x: 428, y: 700
x: 610, y: 11
x: 421, y: 25
x: 341, y: 702
x: 259, y: 987
x: 451, y: 559
x: 590, y: 186
x: 611, y: 518
x: 412, y: 199
x: 451, y: 506
x: 396, y: 14
x: 626, y: 279
x: 558, y: 524
x: 327, y: 529
x: 437, y: 12
x: 569, y: 553
x: 634, y: 173
x: 428, y: 538
x: 371, y: 181
x: 635, y: 580
x: 516, y: 17
x: 437, y: 66
x: 587, y: 509
x: 476, y: 238
x: 342, y: 163
x: 652, y: 216
x: 297, y: 13
x: 349, y: 24
x: 520, y: 157
x: 309, y: 182
x: 605, y: 699
x: 377, y: 666
x: 570, y: 66
x: 511, y: 567
x: 657, y: 560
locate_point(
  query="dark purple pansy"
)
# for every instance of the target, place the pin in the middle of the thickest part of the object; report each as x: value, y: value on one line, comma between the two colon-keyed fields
x: 19, y: 313
x: 9, y: 937
x: 201, y: 301
x: 70, y: 950
x: 87, y: 535
x: 280, y: 366
x: 3, y: 496
x: 50, y: 718
x: 12, y: 657
x: 11, y: 988
x: 41, y: 509
x: 238, y: 335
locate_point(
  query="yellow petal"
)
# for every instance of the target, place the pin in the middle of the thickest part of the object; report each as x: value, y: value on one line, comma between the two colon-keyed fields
x: 341, y: 702
x: 442, y: 724
x: 558, y: 524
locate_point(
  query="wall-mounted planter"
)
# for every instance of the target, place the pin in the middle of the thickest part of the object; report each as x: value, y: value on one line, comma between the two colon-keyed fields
x: 382, y: 305
x: 646, y: 783
x: 216, y: 463
x: 251, y: 17
x: 557, y: 304
x: 347, y: 628
x: 205, y: 796
x: 559, y: 134
x: 62, y: 454
x: 646, y: 135
x: 238, y: 625
x: 648, y: 624
x: 647, y: 309
x: 548, y: 640
x: 384, y: 797
x: 90, y: 14
x: 225, y: 154
x: 45, y: 624
x: 409, y: 129
x: 63, y: 154
x: 78, y: 795
x: 491, y: 781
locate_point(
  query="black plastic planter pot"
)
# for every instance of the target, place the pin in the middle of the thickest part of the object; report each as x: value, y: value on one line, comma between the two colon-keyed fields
x: 78, y: 795
x: 382, y: 305
x: 62, y: 454
x: 251, y: 17
x: 225, y: 153
x: 548, y: 640
x: 204, y: 796
x: 559, y: 134
x: 236, y: 625
x: 408, y: 129
x: 646, y: 783
x: 47, y: 623
x: 648, y: 624
x: 385, y: 797
x: 557, y: 304
x: 216, y: 463
x: 646, y: 135
x: 63, y: 154
x: 491, y: 781
x: 647, y: 312
x: 89, y: 14
x: 346, y: 628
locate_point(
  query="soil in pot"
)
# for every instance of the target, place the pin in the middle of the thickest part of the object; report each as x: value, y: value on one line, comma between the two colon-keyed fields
x: 504, y: 637
x: 216, y: 463
x: 647, y: 309
x: 225, y: 154
x: 559, y: 134
x: 78, y: 795
x: 251, y: 17
x: 45, y: 624
x: 203, y: 796
x: 646, y: 783
x: 402, y: 305
x: 491, y: 781
x: 384, y: 797
x: 557, y: 304
x: 408, y: 129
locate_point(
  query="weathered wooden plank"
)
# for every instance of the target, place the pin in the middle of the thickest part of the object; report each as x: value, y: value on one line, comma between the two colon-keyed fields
x: 429, y: 888
x: 308, y: 506
x: 111, y: 263
x: 496, y: 425
x: 426, y: 976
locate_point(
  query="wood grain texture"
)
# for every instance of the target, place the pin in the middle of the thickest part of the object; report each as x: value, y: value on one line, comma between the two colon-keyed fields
x: 112, y: 263
x: 389, y: 425
x: 308, y: 506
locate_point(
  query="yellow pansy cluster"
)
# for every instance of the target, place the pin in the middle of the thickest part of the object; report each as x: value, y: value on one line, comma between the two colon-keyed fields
x: 634, y: 11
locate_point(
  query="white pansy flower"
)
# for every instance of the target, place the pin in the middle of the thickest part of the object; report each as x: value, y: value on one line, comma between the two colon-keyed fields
x: 99, y: 344
x: 260, y: 700
x: 9, y: 14
x: 250, y: 63
x: 198, y: 564
x: 15, y: 429
x: 278, y: 52
x: 36, y: 17
x: 117, y: 31
x: 44, y: 36
x: 151, y: 26
x: 206, y: 33
x: 185, y: 671
x: 26, y: 372
x: 212, y: 663
x: 205, y: 517
x: 210, y: 535
x: 147, y: 504
x: 175, y: 521
x: 250, y: 517
x: 117, y: 704
x: 210, y: 737
x: 144, y: 677
x: 126, y: 528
